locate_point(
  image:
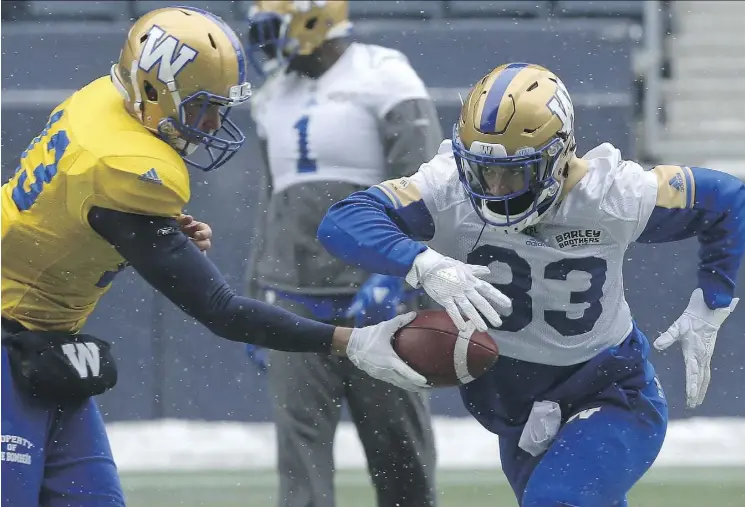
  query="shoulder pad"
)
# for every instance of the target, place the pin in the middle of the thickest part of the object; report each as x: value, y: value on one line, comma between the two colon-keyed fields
x: 380, y: 55
x: 446, y: 148
x: 441, y: 177
x: 615, y: 192
x: 608, y: 179
x: 144, y: 185
x: 606, y: 151
x: 389, y: 78
x: 442, y: 167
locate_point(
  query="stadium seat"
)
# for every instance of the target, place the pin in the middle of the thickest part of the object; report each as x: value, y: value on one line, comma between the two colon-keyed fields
x: 632, y: 9
x: 509, y: 8
x: 227, y: 10
x: 410, y: 9
x: 560, y: 46
x: 119, y: 10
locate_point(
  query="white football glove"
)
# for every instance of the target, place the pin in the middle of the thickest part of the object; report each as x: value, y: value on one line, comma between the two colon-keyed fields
x: 371, y: 350
x: 456, y: 286
x: 696, y: 330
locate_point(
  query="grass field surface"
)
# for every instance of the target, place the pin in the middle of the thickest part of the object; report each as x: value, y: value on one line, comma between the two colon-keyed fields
x: 662, y: 487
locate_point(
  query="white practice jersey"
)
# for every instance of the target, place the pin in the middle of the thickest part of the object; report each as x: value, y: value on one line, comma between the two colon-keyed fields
x: 327, y: 129
x: 564, y: 276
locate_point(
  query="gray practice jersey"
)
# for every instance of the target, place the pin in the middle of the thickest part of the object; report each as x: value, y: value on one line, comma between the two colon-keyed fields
x: 367, y: 119
x: 564, y: 276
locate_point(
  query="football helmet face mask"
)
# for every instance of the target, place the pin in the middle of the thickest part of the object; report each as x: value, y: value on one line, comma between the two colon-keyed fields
x: 281, y: 30
x: 180, y: 73
x: 512, y: 143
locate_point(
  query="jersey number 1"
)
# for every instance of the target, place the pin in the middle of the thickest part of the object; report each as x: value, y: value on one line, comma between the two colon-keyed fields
x: 305, y: 164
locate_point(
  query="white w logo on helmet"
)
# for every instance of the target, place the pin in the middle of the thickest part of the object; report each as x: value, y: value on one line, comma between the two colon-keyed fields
x: 561, y: 105
x: 160, y: 50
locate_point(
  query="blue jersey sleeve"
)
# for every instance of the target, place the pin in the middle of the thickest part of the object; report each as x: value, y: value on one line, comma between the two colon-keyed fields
x: 380, y: 229
x: 711, y: 207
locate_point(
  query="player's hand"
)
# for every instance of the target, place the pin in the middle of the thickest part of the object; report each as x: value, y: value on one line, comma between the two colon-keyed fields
x: 696, y: 330
x: 376, y: 300
x: 199, y: 232
x: 371, y: 350
x: 457, y: 287
x: 257, y: 356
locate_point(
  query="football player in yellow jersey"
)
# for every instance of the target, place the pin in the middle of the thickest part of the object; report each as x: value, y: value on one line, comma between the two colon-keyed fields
x: 102, y: 187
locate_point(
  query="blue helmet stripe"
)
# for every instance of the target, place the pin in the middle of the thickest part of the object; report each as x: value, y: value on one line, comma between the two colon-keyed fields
x: 494, y: 97
x: 242, y: 71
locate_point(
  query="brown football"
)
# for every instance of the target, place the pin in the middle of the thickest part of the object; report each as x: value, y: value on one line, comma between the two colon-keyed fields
x: 429, y: 344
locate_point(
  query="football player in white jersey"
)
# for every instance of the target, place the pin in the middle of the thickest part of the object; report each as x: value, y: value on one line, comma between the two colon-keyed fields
x: 574, y: 398
x: 334, y: 117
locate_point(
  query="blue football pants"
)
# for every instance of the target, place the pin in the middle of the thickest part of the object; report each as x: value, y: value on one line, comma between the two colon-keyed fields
x: 596, y: 458
x: 52, y: 456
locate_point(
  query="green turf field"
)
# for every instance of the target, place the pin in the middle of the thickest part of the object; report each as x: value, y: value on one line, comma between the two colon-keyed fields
x: 664, y: 487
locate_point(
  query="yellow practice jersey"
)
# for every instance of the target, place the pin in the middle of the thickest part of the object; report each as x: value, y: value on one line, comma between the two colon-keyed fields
x: 90, y: 153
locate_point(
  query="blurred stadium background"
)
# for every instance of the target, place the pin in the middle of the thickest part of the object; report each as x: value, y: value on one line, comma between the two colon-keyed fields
x: 190, y: 419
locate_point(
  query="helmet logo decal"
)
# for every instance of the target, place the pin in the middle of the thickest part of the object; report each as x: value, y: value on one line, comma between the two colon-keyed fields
x: 161, y: 51
x: 561, y: 106
x: 306, y: 5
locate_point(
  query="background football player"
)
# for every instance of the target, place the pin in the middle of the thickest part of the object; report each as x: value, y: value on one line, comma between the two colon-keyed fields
x: 333, y: 117
x: 102, y: 187
x: 574, y: 398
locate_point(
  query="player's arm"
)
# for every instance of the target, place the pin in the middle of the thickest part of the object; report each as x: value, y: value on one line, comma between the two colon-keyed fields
x: 710, y: 205
x: 381, y: 229
x: 410, y: 132
x: 707, y: 204
x: 157, y: 249
x: 407, y: 117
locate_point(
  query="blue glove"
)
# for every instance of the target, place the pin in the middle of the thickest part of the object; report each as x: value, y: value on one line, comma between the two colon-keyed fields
x: 257, y: 355
x: 378, y: 299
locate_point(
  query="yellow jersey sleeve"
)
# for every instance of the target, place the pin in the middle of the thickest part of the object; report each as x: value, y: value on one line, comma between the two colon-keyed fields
x: 122, y: 166
x: 138, y: 184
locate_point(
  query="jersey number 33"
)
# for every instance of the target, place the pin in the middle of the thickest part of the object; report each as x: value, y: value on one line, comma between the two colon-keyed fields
x: 518, y: 290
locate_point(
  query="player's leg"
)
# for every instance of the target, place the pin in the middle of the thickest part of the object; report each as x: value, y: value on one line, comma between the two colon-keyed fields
x: 80, y: 469
x: 306, y: 392
x: 600, y: 453
x: 25, y: 424
x: 395, y: 429
x: 54, y: 457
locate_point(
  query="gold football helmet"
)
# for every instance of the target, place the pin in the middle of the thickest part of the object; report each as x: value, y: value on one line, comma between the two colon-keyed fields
x: 279, y: 30
x: 512, y: 144
x: 180, y: 72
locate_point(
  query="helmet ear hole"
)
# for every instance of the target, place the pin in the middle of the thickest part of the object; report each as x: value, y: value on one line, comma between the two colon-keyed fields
x: 311, y: 23
x: 150, y: 92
